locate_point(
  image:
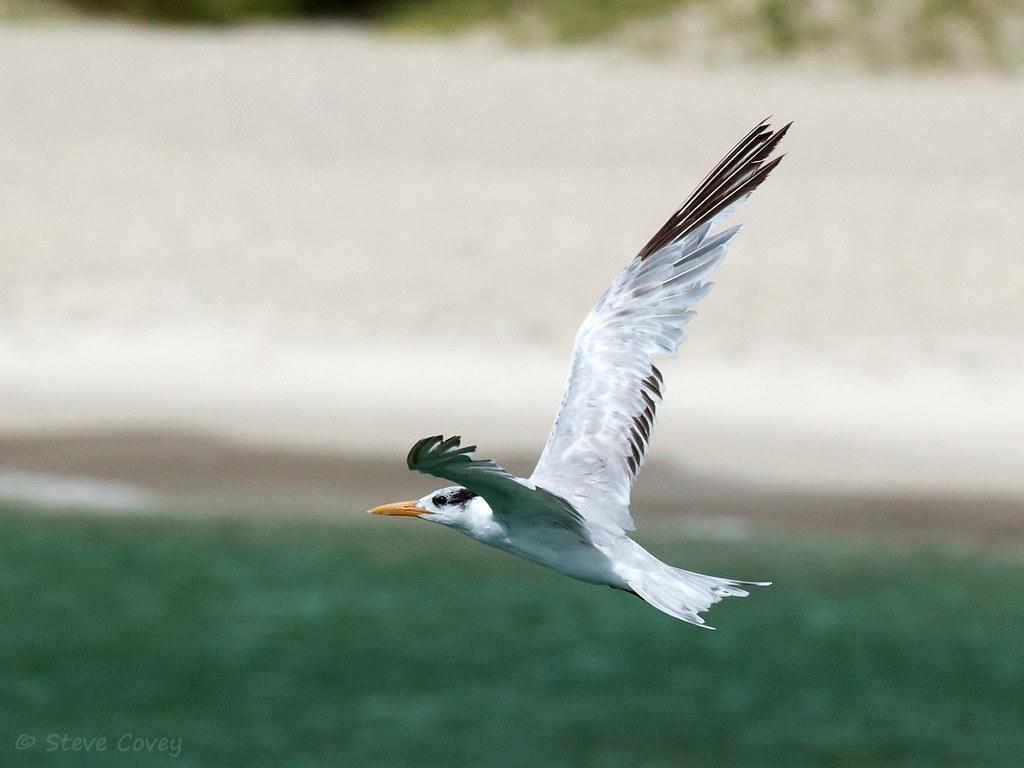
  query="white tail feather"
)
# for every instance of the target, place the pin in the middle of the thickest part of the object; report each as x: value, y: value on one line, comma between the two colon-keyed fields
x: 682, y: 594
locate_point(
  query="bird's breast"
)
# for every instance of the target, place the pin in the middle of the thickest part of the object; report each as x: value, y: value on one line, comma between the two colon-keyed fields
x: 560, y: 550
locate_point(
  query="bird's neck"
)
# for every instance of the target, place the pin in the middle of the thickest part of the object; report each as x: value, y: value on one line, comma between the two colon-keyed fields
x: 479, y: 523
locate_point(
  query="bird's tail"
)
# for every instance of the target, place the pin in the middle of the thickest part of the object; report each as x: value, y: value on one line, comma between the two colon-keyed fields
x: 682, y: 594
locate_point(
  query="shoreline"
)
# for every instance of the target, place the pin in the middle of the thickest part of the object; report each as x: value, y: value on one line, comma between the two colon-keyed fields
x: 785, y: 420
x: 188, y: 472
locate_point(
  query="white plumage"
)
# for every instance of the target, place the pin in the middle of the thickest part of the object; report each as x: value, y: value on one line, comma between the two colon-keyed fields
x: 572, y: 514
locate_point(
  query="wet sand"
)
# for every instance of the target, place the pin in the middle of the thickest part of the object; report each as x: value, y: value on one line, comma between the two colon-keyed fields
x: 187, y: 473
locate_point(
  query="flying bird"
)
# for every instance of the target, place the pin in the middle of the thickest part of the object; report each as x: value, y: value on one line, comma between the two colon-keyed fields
x: 572, y: 514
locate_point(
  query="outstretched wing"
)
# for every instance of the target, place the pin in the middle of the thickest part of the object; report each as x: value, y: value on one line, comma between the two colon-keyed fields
x: 603, y: 426
x: 510, y: 498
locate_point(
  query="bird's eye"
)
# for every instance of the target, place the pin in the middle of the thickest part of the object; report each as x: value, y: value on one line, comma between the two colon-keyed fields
x: 440, y: 500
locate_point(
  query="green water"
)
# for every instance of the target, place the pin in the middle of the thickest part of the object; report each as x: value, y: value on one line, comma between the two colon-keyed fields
x: 396, y: 643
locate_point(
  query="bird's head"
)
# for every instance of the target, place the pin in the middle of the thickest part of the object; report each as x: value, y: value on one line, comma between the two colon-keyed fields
x: 448, y: 506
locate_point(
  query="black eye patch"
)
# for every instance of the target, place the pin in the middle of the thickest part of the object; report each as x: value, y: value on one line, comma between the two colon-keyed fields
x: 462, y: 495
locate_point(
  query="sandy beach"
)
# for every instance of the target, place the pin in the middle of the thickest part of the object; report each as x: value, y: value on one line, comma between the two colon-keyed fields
x: 320, y: 244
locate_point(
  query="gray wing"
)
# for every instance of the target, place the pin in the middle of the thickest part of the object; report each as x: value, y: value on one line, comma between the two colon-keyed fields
x: 508, y: 496
x: 601, y: 432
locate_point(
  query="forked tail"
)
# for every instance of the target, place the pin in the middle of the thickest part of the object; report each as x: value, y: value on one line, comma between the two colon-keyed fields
x: 682, y: 594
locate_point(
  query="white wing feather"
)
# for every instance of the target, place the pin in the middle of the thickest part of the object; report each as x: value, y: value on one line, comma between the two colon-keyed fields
x: 601, y: 432
x: 596, y: 446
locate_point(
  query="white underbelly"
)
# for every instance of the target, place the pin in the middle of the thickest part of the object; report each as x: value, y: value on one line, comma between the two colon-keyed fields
x: 561, y: 551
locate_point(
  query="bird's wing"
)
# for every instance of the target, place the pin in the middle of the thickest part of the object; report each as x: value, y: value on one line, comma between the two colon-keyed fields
x: 603, y: 426
x: 507, y: 495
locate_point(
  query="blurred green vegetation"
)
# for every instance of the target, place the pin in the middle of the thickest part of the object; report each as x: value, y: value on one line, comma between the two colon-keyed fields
x: 396, y: 643
x: 226, y: 11
x: 872, y: 33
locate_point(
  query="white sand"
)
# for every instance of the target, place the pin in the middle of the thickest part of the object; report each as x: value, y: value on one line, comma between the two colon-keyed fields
x: 321, y: 238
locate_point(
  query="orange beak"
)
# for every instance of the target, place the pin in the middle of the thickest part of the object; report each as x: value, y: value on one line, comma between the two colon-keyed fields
x: 405, y: 508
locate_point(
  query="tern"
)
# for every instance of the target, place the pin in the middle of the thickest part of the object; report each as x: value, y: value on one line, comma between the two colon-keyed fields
x: 572, y: 514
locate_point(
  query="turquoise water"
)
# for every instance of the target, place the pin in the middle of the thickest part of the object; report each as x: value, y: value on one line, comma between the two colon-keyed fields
x: 254, y: 643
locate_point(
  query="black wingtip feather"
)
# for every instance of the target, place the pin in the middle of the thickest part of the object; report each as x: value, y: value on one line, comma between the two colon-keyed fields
x: 435, y: 450
x: 428, y: 445
x: 738, y: 174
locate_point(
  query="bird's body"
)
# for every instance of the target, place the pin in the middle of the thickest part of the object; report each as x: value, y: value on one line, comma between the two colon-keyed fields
x: 572, y: 514
x: 554, y: 547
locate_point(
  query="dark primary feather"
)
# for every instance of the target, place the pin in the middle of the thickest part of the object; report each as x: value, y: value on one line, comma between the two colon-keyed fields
x: 738, y: 174
x: 640, y: 432
x: 435, y: 452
